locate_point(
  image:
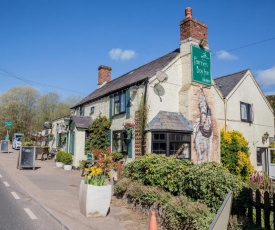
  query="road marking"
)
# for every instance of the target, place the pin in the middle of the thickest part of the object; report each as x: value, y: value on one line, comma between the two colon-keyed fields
x: 15, y: 195
x: 0, y: 176
x: 30, y: 213
x: 6, y: 183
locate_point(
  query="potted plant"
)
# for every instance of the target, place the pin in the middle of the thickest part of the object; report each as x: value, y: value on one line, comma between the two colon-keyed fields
x: 67, y: 160
x: 58, y: 158
x: 94, y: 194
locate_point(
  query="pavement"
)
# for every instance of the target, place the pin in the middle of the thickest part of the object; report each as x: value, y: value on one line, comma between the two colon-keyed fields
x: 57, y: 190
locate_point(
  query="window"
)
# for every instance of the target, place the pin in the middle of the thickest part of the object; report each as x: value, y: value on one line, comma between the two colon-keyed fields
x: 159, y: 144
x: 119, y: 142
x: 82, y: 111
x: 92, y: 110
x: 120, y: 103
x: 172, y: 144
x: 246, y: 112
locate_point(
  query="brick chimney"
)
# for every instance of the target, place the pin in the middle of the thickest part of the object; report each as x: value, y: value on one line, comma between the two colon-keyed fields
x: 192, y: 28
x: 104, y: 74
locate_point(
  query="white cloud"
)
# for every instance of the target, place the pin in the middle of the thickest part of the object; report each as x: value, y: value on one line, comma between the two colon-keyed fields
x: 266, y: 77
x: 224, y: 55
x: 270, y: 93
x: 122, y: 54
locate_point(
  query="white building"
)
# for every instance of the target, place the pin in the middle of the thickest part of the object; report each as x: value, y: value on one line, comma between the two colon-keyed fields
x: 186, y: 109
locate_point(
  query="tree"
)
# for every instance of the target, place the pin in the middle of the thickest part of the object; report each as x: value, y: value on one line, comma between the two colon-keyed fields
x: 235, y: 154
x: 271, y: 100
x: 28, y: 110
x: 19, y: 106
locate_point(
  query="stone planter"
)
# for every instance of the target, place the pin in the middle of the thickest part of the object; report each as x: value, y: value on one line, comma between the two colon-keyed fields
x: 59, y: 164
x: 94, y: 201
x: 68, y: 167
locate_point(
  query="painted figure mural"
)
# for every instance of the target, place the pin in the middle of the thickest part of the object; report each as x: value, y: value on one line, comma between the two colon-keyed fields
x: 203, y: 131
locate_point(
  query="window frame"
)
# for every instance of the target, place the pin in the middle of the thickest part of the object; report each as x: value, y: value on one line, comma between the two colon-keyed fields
x: 92, y: 110
x: 122, y: 139
x: 248, y: 115
x: 120, y: 103
x: 82, y: 111
x: 171, y: 138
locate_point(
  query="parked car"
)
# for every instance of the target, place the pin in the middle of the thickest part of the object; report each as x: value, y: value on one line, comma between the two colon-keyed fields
x: 16, y: 144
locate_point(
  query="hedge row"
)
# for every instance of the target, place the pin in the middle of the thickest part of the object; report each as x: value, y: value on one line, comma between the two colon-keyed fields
x: 173, y: 212
x: 207, y: 183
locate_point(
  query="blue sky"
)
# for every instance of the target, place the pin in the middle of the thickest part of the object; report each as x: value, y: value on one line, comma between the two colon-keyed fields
x: 57, y: 45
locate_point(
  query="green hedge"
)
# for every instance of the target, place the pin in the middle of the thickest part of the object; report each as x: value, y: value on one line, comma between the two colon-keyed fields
x: 155, y: 170
x: 207, y: 183
x: 172, y: 212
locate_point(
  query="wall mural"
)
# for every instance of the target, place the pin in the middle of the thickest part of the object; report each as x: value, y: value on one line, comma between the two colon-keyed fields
x: 203, y: 131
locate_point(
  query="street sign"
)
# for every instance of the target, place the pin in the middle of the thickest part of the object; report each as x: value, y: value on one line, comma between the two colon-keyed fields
x: 8, y: 123
x: 201, y: 65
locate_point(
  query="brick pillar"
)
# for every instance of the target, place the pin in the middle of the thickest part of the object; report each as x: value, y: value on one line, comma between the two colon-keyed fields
x: 137, y: 136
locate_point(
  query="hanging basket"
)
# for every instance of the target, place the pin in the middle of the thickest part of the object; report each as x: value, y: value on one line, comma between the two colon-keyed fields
x: 129, y: 132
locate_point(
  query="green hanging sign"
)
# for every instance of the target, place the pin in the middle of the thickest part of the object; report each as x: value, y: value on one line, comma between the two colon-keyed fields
x: 201, y: 65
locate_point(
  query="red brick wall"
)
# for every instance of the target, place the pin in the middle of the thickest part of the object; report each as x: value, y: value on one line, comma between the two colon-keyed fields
x: 104, y: 74
x: 190, y: 27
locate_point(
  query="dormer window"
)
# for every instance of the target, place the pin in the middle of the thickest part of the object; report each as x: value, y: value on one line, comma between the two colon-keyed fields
x: 120, y: 103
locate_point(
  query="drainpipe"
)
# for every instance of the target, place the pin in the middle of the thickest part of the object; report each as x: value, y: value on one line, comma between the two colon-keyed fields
x: 225, y: 114
x: 143, y: 125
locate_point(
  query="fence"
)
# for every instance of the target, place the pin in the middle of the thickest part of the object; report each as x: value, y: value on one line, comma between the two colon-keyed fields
x: 261, y: 208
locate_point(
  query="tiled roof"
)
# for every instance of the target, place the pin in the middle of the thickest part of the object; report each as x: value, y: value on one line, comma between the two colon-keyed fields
x: 227, y: 83
x: 82, y: 122
x: 135, y: 76
x: 166, y: 121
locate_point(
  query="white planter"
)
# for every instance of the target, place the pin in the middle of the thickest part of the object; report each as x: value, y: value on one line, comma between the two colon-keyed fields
x: 68, y: 167
x: 94, y: 201
x: 59, y: 164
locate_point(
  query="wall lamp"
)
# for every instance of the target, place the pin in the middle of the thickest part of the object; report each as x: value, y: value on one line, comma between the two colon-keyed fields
x: 67, y: 121
x: 265, y: 137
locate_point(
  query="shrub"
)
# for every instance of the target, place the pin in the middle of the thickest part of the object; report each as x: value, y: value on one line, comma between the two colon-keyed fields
x: 209, y: 183
x: 155, y: 170
x: 99, y: 134
x: 235, y: 154
x: 259, y: 180
x: 59, y: 155
x: 173, y: 212
x: 117, y: 156
x: 66, y: 158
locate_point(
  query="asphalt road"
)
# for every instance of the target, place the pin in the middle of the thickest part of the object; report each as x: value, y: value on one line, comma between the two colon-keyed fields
x: 19, y: 211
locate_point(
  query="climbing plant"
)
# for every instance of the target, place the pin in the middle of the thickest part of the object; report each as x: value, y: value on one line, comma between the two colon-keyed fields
x: 98, y: 135
x: 235, y: 154
x: 143, y: 114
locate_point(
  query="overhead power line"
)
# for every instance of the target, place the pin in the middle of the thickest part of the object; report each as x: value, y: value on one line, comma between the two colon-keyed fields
x: 10, y: 74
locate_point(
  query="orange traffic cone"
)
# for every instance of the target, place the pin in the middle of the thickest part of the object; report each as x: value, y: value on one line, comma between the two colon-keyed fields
x: 153, y: 221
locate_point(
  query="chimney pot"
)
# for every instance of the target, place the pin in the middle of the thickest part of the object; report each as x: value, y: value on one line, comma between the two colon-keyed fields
x: 188, y: 12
